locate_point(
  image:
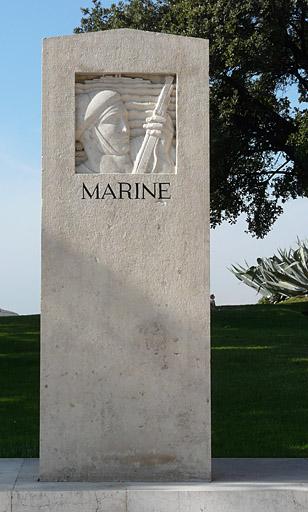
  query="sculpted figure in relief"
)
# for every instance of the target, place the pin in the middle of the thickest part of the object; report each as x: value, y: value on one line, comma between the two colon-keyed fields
x: 105, y: 142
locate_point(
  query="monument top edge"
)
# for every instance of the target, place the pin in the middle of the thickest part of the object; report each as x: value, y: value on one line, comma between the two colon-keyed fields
x: 129, y: 31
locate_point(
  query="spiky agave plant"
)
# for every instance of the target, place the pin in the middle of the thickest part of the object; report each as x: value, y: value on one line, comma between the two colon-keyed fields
x: 282, y: 276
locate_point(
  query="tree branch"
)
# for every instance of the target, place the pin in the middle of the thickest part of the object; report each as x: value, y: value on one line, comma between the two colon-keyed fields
x: 300, y: 78
x: 303, y: 27
x: 285, y: 127
x: 276, y: 171
x: 299, y: 55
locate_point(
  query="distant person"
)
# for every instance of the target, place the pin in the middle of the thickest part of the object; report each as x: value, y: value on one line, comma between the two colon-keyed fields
x: 212, y: 301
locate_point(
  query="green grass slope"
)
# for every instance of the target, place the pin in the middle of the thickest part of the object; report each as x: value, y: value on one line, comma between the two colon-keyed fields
x: 259, y: 382
x: 19, y: 386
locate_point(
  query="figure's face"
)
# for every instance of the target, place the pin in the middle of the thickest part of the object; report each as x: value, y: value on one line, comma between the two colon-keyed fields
x: 113, y: 128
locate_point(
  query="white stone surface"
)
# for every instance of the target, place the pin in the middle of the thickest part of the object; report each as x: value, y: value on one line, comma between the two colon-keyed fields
x: 69, y: 501
x: 218, y: 500
x: 125, y: 124
x: 240, y: 485
x: 125, y: 369
x: 5, y: 501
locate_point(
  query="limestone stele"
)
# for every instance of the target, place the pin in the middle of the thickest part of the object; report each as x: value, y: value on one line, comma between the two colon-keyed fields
x: 125, y: 356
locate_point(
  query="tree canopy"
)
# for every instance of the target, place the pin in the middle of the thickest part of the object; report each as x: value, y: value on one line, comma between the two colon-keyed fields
x: 258, y: 53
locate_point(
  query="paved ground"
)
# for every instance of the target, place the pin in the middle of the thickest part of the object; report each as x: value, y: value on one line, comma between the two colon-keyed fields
x: 21, y: 474
x: 239, y: 485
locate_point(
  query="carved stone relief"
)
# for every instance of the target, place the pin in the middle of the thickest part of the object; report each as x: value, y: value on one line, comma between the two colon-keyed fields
x: 126, y: 124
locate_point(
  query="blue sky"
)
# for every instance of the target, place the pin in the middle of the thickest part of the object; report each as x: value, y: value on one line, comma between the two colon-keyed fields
x: 20, y: 143
x: 20, y: 163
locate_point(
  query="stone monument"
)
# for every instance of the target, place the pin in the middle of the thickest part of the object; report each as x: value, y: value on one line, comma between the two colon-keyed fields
x: 125, y: 356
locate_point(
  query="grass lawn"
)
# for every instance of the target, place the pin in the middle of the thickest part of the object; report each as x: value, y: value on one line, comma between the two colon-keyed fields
x: 259, y: 381
x: 19, y: 386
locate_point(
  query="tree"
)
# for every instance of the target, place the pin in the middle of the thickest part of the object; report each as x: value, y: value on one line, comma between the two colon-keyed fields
x: 258, y: 50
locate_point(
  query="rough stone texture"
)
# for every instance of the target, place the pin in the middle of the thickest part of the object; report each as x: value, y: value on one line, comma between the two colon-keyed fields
x: 5, y: 501
x: 9, y: 470
x: 69, y: 501
x: 115, y: 118
x: 238, y: 486
x: 125, y: 378
x: 219, y: 500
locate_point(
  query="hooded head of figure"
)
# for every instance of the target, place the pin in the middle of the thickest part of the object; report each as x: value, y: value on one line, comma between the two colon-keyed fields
x: 104, y: 123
